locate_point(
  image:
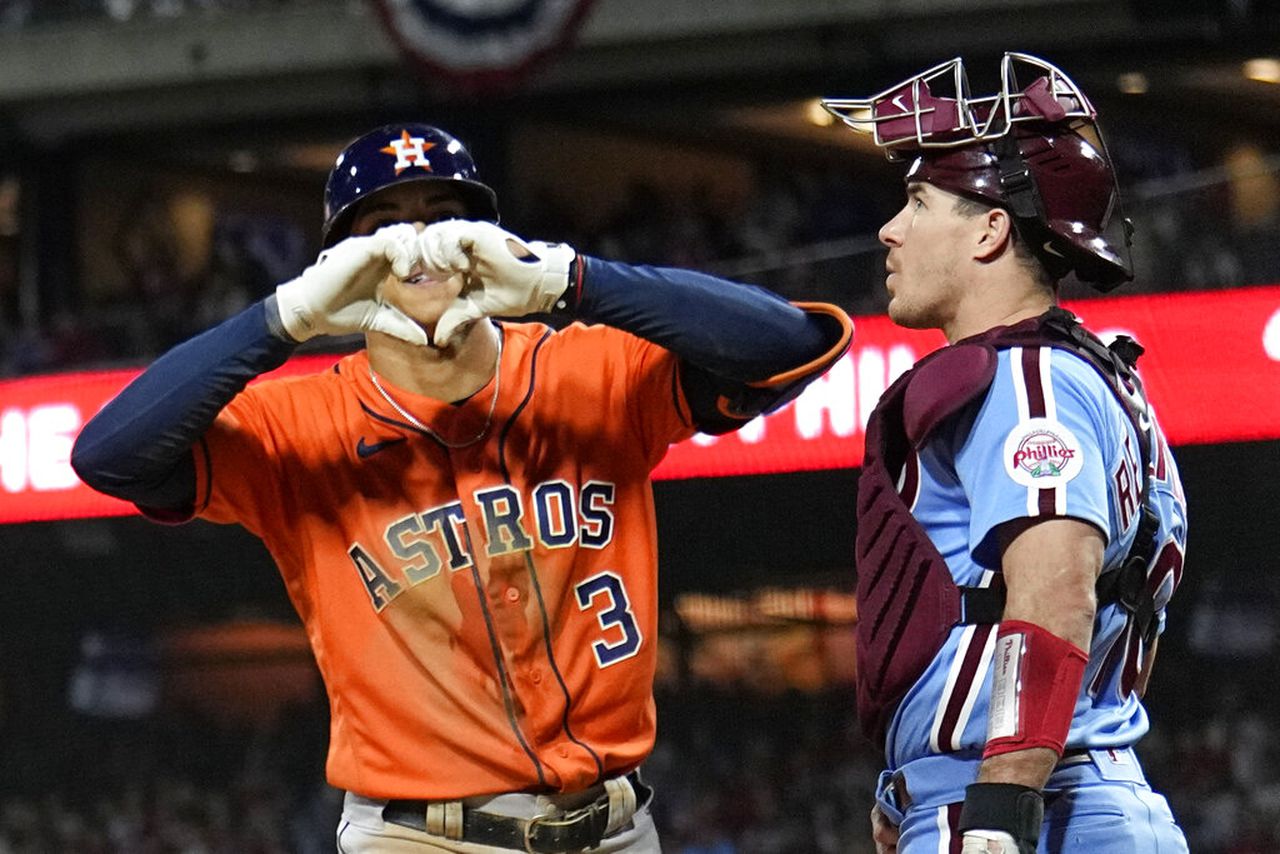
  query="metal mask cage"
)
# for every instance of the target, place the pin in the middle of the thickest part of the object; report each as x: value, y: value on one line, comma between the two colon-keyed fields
x: 910, y: 116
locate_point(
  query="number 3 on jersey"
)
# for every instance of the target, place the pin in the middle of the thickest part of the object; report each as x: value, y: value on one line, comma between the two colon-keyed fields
x: 615, y: 611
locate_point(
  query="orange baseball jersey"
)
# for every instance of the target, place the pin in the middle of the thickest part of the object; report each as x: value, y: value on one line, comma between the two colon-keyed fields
x: 484, y: 617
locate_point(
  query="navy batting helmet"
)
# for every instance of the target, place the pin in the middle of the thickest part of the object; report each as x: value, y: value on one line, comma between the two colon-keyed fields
x: 395, y: 154
x: 1035, y: 151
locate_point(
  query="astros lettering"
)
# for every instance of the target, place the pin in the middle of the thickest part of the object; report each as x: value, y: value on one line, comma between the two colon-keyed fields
x: 426, y: 540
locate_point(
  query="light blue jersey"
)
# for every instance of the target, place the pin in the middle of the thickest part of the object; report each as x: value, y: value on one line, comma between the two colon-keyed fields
x: 1048, y: 439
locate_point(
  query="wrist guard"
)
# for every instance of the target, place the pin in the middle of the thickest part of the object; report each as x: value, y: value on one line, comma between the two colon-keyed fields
x: 567, y: 304
x: 1007, y: 807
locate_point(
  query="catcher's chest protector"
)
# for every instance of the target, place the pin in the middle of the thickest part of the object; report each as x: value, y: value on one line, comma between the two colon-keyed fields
x: 908, y: 601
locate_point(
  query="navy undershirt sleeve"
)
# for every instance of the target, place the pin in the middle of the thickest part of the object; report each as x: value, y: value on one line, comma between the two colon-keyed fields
x: 738, y: 332
x: 730, y: 338
x: 138, y: 447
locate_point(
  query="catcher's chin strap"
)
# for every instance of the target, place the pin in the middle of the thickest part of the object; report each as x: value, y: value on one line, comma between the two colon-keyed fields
x: 1023, y: 197
x: 1127, y: 584
x: 1016, y: 183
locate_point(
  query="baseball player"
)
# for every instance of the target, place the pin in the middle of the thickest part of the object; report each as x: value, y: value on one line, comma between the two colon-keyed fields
x: 461, y: 511
x: 1021, y: 524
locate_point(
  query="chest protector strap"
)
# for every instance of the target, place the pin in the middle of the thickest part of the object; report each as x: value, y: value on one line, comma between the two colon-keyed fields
x: 908, y: 601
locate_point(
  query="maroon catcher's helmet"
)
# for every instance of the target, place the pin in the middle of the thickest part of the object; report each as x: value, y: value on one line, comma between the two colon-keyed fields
x: 1035, y: 151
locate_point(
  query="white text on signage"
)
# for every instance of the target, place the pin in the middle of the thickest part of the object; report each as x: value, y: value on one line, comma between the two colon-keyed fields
x: 35, y: 447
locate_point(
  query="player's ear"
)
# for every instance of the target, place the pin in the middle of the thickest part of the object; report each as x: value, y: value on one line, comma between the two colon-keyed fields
x: 993, y: 234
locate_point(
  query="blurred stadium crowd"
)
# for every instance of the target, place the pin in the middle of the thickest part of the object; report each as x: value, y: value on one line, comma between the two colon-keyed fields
x: 778, y: 775
x: 116, y: 746
x: 160, y: 306
x: 808, y: 233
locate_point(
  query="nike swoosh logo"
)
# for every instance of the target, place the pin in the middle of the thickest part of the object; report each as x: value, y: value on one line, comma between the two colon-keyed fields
x: 896, y: 100
x: 1048, y: 247
x: 364, y: 450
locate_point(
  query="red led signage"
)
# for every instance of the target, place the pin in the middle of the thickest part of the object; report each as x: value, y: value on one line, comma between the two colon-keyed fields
x: 1212, y: 369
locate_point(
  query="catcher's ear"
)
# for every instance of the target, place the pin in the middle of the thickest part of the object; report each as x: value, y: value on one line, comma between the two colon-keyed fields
x: 995, y: 233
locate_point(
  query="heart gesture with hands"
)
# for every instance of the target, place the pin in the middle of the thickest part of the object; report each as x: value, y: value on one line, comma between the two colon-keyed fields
x: 507, y: 276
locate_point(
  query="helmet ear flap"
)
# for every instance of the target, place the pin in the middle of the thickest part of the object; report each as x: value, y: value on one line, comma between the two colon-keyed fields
x: 1020, y: 192
x: 1106, y: 271
x: 1084, y: 214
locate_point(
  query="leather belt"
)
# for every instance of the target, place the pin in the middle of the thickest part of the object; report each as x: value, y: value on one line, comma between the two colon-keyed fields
x: 898, y: 786
x: 1075, y: 756
x: 554, y: 833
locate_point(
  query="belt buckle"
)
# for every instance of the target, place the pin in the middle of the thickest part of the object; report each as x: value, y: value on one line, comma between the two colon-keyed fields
x: 530, y: 826
x: 901, y: 794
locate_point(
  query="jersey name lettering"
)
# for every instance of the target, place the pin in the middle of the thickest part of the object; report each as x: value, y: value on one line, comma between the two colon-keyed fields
x: 1128, y: 484
x: 429, y: 540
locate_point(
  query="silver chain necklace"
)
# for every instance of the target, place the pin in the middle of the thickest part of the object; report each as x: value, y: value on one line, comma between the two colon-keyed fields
x: 488, y: 419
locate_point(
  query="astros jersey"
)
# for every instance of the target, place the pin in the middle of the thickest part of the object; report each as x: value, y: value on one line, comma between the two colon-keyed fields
x: 485, y: 617
x: 1049, y: 439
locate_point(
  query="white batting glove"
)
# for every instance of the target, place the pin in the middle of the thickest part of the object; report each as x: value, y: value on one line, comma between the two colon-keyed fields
x: 988, y: 842
x: 337, y: 295
x: 507, y: 275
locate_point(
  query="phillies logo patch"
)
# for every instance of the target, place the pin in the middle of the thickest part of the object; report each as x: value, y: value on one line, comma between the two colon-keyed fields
x: 1040, y: 452
x: 1043, y: 454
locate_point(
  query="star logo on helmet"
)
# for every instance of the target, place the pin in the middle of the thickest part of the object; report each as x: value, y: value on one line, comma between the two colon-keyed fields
x: 409, y: 151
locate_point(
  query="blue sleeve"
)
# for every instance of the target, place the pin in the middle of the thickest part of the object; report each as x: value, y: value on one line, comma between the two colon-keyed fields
x: 138, y: 447
x: 1038, y: 447
x: 743, y: 350
x: 739, y: 332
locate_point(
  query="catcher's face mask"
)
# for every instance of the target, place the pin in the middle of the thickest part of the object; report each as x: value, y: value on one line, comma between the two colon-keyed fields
x: 1033, y: 150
